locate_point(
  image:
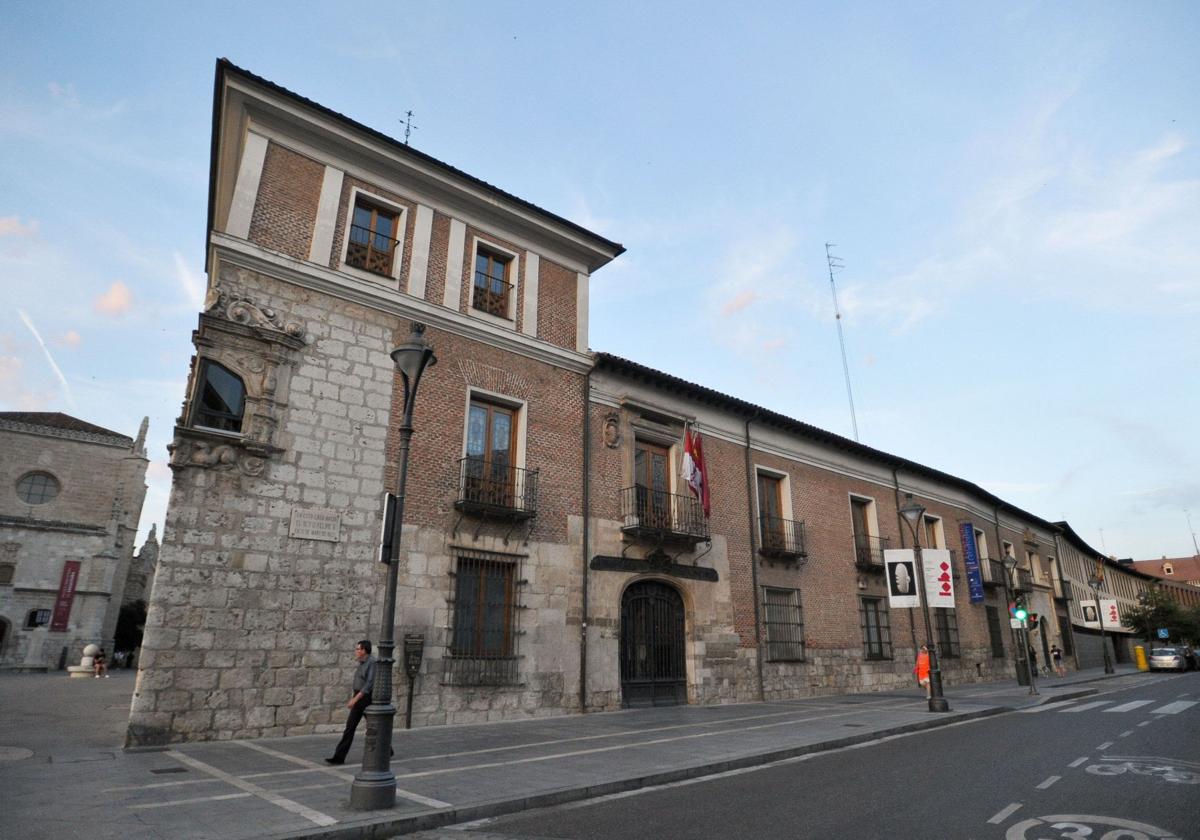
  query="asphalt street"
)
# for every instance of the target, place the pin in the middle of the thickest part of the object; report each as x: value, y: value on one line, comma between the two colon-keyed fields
x: 1123, y: 764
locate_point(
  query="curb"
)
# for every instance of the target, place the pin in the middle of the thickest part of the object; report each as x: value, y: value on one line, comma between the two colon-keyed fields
x: 390, y: 827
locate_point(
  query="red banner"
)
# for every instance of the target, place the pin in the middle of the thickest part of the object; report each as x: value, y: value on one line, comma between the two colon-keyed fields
x: 66, y: 595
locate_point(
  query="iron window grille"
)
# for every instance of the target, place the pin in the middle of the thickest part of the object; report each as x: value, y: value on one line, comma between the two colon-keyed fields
x: 995, y: 634
x: 485, y: 620
x: 496, y: 488
x: 781, y: 538
x: 492, y: 289
x: 7, y: 573
x: 784, y: 624
x: 221, y: 400
x: 876, y: 629
x: 946, y: 630
x: 37, y: 618
x: 37, y: 488
x: 660, y: 516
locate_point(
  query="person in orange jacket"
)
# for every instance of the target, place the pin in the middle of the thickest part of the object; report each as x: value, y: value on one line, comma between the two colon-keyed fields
x: 921, y: 669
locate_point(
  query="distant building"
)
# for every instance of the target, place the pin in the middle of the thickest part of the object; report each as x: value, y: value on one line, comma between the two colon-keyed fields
x: 71, y: 495
x: 1178, y: 569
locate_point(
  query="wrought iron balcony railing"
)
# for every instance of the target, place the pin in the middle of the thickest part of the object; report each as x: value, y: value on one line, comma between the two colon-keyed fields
x: 868, y: 552
x: 782, y: 539
x: 1062, y: 590
x: 994, y: 573
x: 370, y: 251
x: 661, y: 517
x: 1024, y: 581
x: 491, y: 295
x: 489, y: 488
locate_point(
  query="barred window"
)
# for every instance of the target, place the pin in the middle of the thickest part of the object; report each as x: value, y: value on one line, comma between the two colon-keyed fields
x: 877, y: 629
x: 946, y: 628
x: 37, y: 488
x: 994, y: 631
x: 483, y: 643
x: 784, y: 624
x: 37, y: 618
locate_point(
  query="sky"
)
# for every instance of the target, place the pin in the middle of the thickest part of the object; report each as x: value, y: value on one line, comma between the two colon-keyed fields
x: 1013, y: 190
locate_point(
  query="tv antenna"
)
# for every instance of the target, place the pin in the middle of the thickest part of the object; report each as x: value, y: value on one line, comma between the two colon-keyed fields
x: 1193, y: 531
x: 408, y: 125
x: 835, y: 263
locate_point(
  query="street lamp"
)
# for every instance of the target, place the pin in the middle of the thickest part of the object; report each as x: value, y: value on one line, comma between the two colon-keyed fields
x: 1095, y: 579
x: 1023, y: 661
x: 913, y: 512
x: 374, y: 786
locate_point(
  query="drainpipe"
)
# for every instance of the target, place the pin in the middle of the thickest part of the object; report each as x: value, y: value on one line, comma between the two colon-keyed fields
x: 912, y: 621
x: 754, y: 561
x: 1019, y: 646
x: 587, y: 518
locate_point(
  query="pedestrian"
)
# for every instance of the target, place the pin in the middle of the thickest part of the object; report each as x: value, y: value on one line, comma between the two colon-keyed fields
x: 99, y: 666
x: 360, y: 698
x: 921, y: 669
x: 1056, y: 655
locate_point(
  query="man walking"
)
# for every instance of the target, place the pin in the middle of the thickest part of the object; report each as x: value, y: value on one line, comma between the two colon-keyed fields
x: 364, y: 683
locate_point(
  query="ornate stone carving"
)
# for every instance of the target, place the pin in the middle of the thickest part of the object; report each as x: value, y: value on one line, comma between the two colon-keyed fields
x: 611, y: 431
x: 193, y: 448
x: 242, y: 310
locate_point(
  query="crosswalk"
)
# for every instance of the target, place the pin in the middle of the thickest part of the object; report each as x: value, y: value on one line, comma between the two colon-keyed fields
x: 1075, y: 707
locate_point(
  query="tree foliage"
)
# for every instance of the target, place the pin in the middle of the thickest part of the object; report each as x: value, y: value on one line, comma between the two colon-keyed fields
x: 1156, y: 609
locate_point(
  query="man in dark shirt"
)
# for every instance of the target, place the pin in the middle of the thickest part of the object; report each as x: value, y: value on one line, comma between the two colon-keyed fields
x: 364, y: 682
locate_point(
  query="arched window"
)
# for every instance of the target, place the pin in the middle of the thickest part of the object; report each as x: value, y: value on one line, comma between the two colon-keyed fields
x: 220, y: 399
x: 37, y: 488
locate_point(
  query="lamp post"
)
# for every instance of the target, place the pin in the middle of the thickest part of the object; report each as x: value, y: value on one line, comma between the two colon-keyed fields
x: 913, y: 512
x: 374, y: 786
x: 1095, y: 579
x: 1023, y: 661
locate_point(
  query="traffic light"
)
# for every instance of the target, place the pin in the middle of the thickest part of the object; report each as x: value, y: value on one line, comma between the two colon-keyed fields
x: 1033, y: 621
x: 1020, y: 611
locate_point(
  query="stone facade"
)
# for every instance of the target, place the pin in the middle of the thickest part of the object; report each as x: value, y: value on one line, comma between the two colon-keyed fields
x: 89, y: 524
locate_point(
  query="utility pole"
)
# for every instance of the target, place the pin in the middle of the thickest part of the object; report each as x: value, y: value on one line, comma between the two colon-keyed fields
x: 835, y: 262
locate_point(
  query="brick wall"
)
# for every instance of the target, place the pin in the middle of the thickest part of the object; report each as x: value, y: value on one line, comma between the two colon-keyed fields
x: 286, y: 209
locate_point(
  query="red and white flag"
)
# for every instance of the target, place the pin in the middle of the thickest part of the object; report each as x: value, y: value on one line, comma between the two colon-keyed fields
x: 694, y: 472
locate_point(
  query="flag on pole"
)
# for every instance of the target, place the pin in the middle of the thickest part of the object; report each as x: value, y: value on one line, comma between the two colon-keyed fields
x: 694, y: 471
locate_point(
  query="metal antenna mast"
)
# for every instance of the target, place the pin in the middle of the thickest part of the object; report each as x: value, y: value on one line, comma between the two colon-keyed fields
x: 836, y: 263
x: 408, y: 125
x: 1193, y: 530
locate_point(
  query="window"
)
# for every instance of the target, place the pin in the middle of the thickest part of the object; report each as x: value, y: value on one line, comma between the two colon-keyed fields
x: 491, y: 441
x: 981, y: 545
x: 784, y: 624
x: 1064, y: 622
x: 877, y: 629
x: 868, y: 548
x: 1168, y: 569
x: 493, y: 285
x: 995, y: 633
x: 770, y: 509
x: 373, y: 238
x: 485, y: 620
x: 37, y: 618
x: 933, y: 532
x: 1007, y: 548
x: 221, y: 398
x: 7, y: 571
x: 946, y: 630
x: 652, y: 484
x: 37, y: 488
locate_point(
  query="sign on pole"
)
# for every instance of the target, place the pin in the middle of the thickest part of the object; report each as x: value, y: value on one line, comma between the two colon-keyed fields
x: 903, y: 588
x: 1110, y: 615
x: 1164, y: 633
x: 939, y: 583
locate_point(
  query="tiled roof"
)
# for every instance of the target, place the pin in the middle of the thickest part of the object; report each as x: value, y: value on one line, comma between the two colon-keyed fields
x: 1184, y: 568
x: 58, y: 420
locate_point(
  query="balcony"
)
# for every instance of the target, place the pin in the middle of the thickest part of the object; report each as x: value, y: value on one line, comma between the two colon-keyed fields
x: 868, y: 552
x: 662, y: 518
x: 491, y: 295
x: 782, y: 539
x: 370, y: 251
x: 994, y: 573
x: 1024, y: 581
x: 496, y: 490
x: 1062, y: 590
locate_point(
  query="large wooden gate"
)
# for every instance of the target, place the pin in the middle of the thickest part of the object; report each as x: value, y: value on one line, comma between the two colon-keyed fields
x: 653, y: 671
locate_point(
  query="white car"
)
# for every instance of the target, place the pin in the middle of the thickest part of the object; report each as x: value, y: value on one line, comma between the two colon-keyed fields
x: 1167, y: 659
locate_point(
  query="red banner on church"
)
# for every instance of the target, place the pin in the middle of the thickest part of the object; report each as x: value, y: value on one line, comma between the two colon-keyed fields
x: 66, y: 595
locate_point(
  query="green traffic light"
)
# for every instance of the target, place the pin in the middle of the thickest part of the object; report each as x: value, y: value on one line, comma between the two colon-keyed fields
x: 1021, y: 614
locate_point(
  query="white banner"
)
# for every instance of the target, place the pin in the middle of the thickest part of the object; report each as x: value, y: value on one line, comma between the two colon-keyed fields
x: 1090, y: 617
x: 1110, y: 614
x: 939, y: 582
x: 903, y: 588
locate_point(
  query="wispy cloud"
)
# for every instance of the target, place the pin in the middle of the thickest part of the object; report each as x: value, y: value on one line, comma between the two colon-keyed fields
x: 192, y: 285
x: 66, y: 389
x: 12, y: 226
x: 72, y: 339
x: 116, y: 301
x: 64, y: 93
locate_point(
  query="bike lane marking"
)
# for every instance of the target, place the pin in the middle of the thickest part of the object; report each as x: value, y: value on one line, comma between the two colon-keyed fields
x: 1104, y: 746
x: 1004, y: 813
x: 1079, y: 761
x: 1048, y: 782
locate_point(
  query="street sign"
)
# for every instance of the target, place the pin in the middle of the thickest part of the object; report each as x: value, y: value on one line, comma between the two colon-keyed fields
x: 1164, y: 633
x: 1016, y: 623
x: 414, y: 645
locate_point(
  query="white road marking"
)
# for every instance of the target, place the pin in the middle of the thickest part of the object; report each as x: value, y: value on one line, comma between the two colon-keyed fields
x: 1086, y: 706
x: 1049, y: 707
x: 1126, y: 733
x: 286, y: 804
x: 1174, y: 708
x: 171, y: 802
x: 1004, y: 813
x: 312, y: 765
x: 1078, y: 761
x: 1146, y: 723
x: 1048, y: 782
x: 1104, y: 746
x: 1130, y: 706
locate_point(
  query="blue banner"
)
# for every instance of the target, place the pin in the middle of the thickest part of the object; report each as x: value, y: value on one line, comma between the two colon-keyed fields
x: 971, y: 562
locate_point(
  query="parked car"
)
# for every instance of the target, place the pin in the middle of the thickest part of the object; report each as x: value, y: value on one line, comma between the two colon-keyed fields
x: 1168, y: 659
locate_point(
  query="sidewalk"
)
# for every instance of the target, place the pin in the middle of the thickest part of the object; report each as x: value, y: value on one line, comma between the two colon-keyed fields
x: 65, y: 775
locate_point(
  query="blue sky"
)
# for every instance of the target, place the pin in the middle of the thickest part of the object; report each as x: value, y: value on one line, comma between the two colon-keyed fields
x: 1014, y: 189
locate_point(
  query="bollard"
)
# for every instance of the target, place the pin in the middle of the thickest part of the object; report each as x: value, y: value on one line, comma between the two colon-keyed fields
x: 1139, y: 655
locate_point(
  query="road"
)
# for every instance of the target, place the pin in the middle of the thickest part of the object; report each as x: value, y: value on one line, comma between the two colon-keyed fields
x: 1121, y: 765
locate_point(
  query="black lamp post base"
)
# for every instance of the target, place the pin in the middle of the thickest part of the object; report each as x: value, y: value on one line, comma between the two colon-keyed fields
x: 939, y: 704
x: 373, y: 790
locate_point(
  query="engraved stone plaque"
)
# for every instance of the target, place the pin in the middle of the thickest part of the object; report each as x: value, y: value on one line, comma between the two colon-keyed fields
x: 316, y: 524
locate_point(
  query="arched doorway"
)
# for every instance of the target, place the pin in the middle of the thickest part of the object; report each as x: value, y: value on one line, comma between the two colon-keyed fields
x: 653, y: 670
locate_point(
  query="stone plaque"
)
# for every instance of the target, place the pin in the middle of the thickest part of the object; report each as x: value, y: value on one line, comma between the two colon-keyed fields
x: 316, y: 524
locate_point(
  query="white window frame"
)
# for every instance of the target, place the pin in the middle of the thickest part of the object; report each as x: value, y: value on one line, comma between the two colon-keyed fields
x: 520, y: 409
x: 785, y: 489
x: 981, y: 544
x: 514, y: 273
x: 401, y: 228
x: 872, y: 515
x: 938, y: 531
